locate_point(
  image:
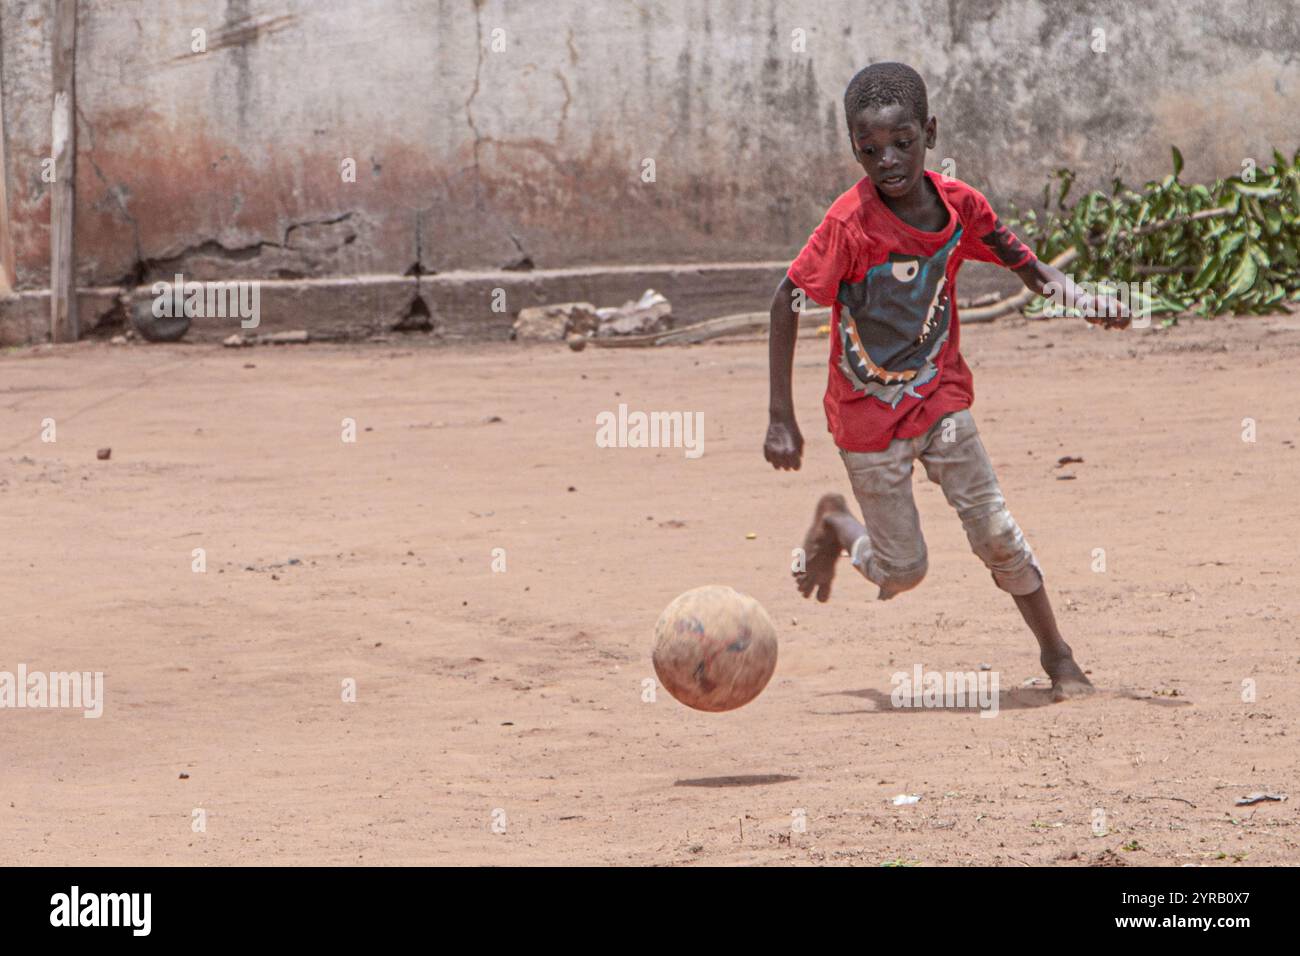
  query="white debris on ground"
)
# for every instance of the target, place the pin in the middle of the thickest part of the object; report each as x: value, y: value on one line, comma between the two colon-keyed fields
x: 571, y: 321
x: 650, y: 313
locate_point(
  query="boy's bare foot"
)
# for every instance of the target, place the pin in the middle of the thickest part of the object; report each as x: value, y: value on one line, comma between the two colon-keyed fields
x: 1068, y: 680
x: 821, y: 547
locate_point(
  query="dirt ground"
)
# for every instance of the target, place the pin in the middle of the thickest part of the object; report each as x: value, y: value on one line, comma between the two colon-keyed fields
x: 516, y: 698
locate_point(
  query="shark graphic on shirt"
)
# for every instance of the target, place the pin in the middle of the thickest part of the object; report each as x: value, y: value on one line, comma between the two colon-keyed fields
x: 896, y: 324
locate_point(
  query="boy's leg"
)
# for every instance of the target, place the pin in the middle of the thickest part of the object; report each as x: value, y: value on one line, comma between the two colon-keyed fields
x: 887, y: 547
x: 954, y: 458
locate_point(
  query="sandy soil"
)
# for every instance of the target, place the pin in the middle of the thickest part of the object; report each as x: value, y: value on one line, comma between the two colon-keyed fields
x: 521, y: 691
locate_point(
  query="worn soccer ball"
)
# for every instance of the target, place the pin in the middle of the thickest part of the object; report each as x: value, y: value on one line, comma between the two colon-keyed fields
x: 715, y: 648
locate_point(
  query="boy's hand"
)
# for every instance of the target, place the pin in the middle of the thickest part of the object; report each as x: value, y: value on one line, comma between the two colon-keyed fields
x: 784, y: 444
x: 1106, y: 311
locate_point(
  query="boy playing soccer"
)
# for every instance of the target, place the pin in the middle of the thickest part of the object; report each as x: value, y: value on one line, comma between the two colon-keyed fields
x: 887, y: 255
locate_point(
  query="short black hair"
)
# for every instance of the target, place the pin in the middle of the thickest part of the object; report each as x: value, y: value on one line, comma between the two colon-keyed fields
x: 886, y: 84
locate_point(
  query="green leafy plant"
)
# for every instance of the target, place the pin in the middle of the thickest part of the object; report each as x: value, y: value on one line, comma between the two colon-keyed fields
x: 1207, y: 250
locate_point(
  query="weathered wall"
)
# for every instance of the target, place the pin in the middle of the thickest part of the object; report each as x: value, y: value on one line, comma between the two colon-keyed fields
x: 227, y: 163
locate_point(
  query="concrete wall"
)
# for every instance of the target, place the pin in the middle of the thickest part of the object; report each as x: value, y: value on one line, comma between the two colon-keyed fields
x: 227, y: 163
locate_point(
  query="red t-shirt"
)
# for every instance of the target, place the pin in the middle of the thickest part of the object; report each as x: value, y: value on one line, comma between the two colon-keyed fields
x: 896, y: 365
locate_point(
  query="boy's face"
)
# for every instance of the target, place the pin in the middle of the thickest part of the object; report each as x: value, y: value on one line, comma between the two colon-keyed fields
x: 889, y: 144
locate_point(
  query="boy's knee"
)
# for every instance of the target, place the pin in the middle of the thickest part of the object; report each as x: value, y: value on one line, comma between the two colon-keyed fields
x: 998, y: 541
x: 895, y: 580
x: 996, y: 537
x: 892, y: 576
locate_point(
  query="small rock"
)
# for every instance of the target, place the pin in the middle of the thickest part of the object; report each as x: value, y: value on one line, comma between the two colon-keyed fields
x: 117, y: 340
x: 185, y: 776
x: 906, y: 800
x: 575, y: 341
x: 235, y: 341
x: 986, y: 667
x: 104, y: 454
x: 551, y: 323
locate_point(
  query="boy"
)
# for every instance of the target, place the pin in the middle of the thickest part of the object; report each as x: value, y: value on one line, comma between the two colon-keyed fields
x: 887, y: 255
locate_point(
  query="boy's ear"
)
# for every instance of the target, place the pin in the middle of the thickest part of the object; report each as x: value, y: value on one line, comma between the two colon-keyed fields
x: 931, y: 131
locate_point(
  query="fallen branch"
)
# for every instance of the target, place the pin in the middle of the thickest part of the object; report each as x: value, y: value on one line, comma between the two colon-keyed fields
x: 735, y: 324
x: 703, y: 331
x: 1018, y: 301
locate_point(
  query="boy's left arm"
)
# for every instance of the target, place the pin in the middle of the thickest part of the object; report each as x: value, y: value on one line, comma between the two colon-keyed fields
x: 1045, y: 279
x: 993, y: 242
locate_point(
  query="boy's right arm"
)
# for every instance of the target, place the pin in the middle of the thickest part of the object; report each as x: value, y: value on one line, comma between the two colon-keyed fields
x: 784, y: 444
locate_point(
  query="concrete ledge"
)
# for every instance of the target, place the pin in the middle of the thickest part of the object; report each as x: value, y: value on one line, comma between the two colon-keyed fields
x: 475, y: 305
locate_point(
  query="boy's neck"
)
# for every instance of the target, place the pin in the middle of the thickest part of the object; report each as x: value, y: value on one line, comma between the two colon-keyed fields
x: 921, y: 208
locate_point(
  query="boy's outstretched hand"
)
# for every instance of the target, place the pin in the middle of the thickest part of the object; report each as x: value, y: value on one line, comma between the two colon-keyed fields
x: 1108, y: 312
x: 784, y: 444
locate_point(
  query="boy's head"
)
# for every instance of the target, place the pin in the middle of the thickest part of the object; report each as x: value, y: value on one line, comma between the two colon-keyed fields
x: 889, y: 127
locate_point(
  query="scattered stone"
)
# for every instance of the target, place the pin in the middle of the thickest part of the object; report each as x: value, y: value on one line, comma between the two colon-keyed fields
x: 185, y: 776
x: 906, y: 800
x: 575, y: 341
x: 104, y: 454
x: 552, y: 323
x: 1068, y: 460
x: 986, y: 667
x: 235, y: 341
x: 1260, y: 798
x: 650, y: 313
x: 155, y: 328
x: 117, y: 340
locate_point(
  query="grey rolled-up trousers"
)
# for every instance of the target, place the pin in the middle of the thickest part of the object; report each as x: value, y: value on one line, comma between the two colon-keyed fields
x: 892, y: 554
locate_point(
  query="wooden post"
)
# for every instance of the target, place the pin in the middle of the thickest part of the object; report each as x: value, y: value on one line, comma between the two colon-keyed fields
x: 8, y: 278
x: 63, y: 262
